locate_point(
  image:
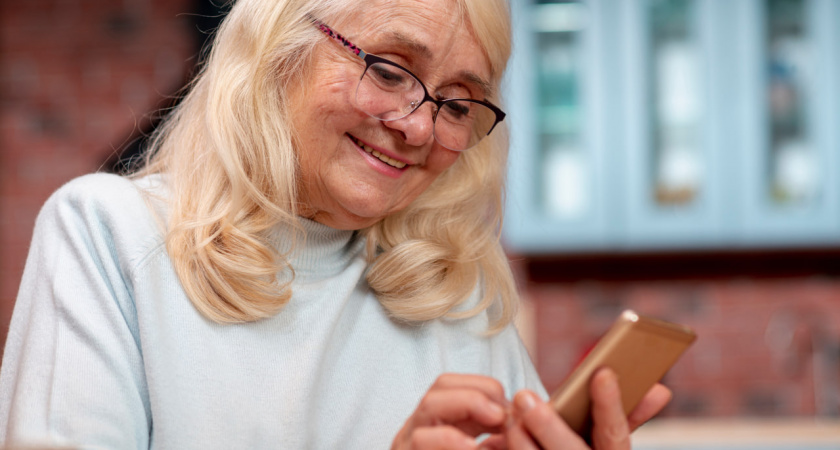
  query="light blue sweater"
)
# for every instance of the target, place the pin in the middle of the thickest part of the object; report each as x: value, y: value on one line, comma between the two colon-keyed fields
x: 105, y: 350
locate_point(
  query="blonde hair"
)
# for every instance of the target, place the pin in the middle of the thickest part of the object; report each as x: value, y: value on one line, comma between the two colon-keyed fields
x: 228, y: 154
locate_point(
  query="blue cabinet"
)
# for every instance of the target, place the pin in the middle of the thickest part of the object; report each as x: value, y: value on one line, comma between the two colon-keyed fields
x: 790, y: 116
x: 673, y: 124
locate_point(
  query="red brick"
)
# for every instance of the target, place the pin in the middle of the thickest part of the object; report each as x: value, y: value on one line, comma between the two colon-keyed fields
x: 71, y: 92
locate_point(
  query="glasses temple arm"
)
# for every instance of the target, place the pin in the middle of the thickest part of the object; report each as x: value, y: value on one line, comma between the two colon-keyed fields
x: 339, y: 38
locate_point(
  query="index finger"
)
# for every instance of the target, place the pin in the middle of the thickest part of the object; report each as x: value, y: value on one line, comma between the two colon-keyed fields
x: 467, y: 409
x: 486, y: 385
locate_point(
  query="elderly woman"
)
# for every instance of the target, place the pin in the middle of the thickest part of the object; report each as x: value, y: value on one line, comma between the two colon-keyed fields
x: 308, y: 259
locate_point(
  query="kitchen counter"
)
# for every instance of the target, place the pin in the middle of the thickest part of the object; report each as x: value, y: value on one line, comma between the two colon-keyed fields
x: 739, y: 434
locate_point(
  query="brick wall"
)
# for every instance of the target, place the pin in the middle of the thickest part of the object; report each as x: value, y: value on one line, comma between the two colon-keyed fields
x: 76, y: 77
x: 766, y: 347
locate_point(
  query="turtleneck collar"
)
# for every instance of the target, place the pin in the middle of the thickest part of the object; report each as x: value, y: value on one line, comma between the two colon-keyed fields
x: 320, y: 251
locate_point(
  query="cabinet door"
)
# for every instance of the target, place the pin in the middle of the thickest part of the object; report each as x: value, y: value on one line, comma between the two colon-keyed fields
x: 678, y: 124
x: 558, y: 183
x: 791, y: 115
x: 675, y: 188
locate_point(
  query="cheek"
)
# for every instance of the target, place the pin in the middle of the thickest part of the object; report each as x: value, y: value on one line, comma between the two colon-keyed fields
x: 324, y: 98
x: 322, y: 118
x: 327, y: 105
x: 441, y: 159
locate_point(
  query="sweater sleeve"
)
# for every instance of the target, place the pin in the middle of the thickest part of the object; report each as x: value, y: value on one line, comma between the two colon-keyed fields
x: 517, y: 364
x: 72, y: 371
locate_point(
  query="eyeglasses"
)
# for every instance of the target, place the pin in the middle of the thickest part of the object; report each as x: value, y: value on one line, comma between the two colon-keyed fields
x: 388, y: 91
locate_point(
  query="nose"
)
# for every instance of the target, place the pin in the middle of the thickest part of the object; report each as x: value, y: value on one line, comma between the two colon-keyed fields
x: 416, y: 128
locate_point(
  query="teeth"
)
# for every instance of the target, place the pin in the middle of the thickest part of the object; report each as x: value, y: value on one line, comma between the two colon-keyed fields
x: 387, y: 160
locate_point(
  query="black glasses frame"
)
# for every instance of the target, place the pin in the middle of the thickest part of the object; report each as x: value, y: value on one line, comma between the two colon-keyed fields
x: 370, y: 59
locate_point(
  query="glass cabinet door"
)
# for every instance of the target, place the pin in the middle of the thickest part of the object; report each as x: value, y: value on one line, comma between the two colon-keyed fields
x: 563, y: 183
x: 673, y: 192
x: 557, y: 178
x: 792, y: 118
x: 792, y: 176
x: 674, y: 89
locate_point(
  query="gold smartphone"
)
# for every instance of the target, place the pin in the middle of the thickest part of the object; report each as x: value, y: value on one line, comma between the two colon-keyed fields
x: 639, y: 349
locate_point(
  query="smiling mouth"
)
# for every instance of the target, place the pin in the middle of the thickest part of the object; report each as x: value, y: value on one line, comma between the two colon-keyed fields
x: 387, y: 160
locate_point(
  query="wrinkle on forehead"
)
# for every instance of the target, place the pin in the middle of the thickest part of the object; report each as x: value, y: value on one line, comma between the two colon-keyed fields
x: 443, y: 22
x: 441, y: 19
x: 445, y: 12
x: 445, y: 26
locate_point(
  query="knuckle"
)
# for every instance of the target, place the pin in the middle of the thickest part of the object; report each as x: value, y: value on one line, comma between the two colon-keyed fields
x: 426, y: 411
x: 614, y: 433
x: 426, y: 406
x: 540, y: 417
x: 417, y: 439
x: 442, y: 381
x: 496, y: 386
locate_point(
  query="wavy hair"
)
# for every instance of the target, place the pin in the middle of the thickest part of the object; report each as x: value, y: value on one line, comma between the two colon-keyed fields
x: 228, y: 154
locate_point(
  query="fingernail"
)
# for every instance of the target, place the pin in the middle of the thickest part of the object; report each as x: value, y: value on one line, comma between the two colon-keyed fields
x: 496, y: 410
x: 524, y: 401
x: 610, y: 380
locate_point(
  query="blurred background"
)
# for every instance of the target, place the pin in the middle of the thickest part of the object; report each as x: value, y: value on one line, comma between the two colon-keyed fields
x: 677, y: 157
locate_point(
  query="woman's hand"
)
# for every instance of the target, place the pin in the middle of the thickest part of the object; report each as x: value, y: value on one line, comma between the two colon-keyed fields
x: 455, y: 410
x: 536, y: 425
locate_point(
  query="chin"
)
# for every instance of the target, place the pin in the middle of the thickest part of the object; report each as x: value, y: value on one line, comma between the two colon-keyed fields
x: 372, y: 203
x: 363, y: 219
x: 350, y: 218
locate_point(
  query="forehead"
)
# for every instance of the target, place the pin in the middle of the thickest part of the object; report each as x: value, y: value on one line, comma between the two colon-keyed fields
x: 432, y: 34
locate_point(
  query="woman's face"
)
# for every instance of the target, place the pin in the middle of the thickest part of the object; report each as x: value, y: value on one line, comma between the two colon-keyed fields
x: 342, y: 185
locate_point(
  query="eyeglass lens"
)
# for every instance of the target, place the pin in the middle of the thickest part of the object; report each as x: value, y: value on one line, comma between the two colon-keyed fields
x: 387, y: 93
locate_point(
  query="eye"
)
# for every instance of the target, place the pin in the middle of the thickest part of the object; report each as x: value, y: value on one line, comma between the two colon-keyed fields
x: 387, y: 76
x: 457, y: 110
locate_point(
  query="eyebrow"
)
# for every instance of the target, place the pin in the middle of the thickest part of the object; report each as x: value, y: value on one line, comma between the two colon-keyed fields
x: 411, y: 44
x: 422, y: 50
x: 486, y: 88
